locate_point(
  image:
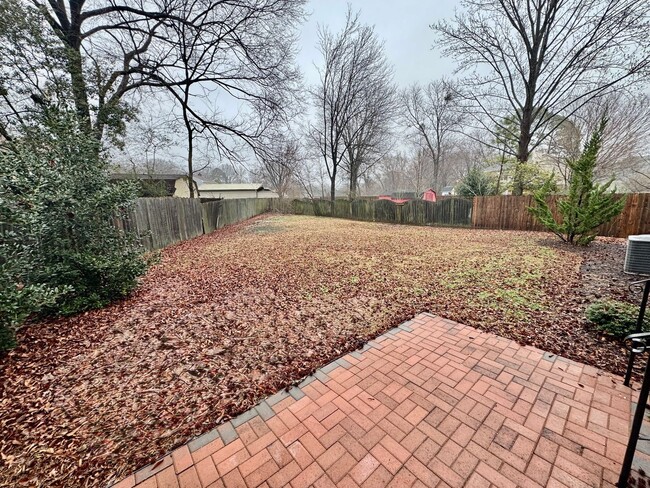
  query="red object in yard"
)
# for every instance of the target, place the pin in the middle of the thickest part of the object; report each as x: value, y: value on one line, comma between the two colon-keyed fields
x: 429, y: 195
x: 397, y: 201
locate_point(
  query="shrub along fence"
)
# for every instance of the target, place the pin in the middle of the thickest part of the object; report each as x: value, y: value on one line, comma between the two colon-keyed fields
x: 495, y: 212
x: 166, y: 220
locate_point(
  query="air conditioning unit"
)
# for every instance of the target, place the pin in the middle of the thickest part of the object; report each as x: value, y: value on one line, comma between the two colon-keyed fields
x: 637, y: 257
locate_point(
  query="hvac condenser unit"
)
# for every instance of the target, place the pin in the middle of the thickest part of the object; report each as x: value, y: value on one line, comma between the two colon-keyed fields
x: 637, y: 257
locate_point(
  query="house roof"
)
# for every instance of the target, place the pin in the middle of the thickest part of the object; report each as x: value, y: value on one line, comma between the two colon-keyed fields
x: 145, y: 176
x: 206, y: 186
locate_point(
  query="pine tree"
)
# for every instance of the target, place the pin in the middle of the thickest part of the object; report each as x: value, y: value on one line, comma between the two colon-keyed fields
x: 587, y: 205
x: 476, y: 183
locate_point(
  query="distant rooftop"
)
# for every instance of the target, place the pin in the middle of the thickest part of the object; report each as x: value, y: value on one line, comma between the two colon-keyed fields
x: 206, y: 186
x: 145, y: 176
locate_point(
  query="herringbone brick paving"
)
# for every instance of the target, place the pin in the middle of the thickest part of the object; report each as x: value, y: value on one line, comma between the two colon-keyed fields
x: 431, y: 403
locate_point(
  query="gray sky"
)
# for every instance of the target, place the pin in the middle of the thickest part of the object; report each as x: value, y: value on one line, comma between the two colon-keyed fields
x: 403, y: 25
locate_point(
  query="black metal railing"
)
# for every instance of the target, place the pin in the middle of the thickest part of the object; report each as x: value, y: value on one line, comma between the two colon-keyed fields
x: 637, y: 343
x: 645, y: 284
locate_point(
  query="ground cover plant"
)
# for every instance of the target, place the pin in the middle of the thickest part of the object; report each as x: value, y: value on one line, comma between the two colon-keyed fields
x: 615, y: 317
x: 228, y: 318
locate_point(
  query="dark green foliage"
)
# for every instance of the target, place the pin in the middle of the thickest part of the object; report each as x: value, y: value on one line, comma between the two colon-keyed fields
x: 476, y: 183
x: 528, y: 178
x: 59, y: 250
x: 615, y: 317
x: 152, y: 188
x: 19, y: 300
x: 588, y: 204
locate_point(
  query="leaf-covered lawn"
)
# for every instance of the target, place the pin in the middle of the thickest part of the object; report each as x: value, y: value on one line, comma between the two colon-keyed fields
x: 226, y: 319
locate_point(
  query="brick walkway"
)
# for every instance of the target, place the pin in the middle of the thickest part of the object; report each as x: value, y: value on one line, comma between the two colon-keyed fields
x: 431, y: 403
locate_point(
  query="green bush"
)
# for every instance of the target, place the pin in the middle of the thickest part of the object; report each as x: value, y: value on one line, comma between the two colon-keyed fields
x: 615, y: 317
x: 60, y: 252
x: 587, y: 205
x: 476, y: 183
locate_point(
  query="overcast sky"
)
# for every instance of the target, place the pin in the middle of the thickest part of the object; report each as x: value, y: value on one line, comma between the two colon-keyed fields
x: 403, y: 25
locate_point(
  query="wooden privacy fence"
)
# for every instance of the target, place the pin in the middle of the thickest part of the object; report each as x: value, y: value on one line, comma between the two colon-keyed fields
x: 226, y: 212
x: 162, y: 221
x: 453, y: 211
x: 497, y: 212
x: 165, y: 220
x: 511, y: 212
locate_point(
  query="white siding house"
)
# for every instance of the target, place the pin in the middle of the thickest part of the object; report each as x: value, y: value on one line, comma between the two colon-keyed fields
x: 234, y: 190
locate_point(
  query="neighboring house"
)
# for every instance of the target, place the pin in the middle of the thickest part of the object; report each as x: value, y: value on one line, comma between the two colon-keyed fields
x: 447, y: 191
x: 167, y: 184
x: 182, y: 189
x: 235, y: 190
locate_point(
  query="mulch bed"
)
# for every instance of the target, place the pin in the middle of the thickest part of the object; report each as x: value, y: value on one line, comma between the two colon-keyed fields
x: 226, y: 319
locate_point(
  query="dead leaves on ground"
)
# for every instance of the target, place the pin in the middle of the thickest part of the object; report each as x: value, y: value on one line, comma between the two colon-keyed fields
x: 226, y: 319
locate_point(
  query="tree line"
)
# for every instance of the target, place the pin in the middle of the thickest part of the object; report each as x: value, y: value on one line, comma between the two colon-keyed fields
x: 535, y: 79
x: 216, y: 84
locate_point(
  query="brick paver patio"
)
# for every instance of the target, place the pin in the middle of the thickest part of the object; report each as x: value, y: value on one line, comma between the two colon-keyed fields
x: 431, y: 403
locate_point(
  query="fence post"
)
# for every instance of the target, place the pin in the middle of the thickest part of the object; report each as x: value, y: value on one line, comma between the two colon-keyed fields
x: 474, y: 211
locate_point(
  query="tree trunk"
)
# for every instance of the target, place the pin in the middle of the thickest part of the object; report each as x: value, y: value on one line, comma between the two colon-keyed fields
x: 354, y: 171
x: 332, y: 192
x: 503, y: 161
x: 79, y: 89
x: 436, y: 171
x: 523, y: 148
x: 354, y: 185
x: 190, y: 155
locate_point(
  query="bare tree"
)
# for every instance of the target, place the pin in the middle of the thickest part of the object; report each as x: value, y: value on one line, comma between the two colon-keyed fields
x: 467, y: 154
x: 367, y: 136
x: 562, y: 146
x: 540, y: 61
x: 419, y: 169
x: 391, y: 172
x: 312, y: 178
x: 83, y: 53
x: 280, y: 163
x: 433, y: 115
x: 401, y: 171
x: 353, y: 94
x: 241, y: 49
x: 147, y: 145
x: 640, y: 178
x: 234, y: 54
x: 625, y: 140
